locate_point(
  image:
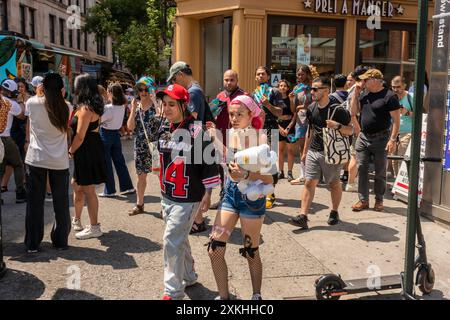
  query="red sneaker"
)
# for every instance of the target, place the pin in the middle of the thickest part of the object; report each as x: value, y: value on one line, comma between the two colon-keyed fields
x: 166, y: 297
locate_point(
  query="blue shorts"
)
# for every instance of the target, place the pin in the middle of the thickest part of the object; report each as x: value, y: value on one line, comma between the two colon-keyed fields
x: 234, y: 201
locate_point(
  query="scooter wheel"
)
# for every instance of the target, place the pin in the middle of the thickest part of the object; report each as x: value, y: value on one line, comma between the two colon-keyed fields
x: 425, y: 279
x: 326, y: 286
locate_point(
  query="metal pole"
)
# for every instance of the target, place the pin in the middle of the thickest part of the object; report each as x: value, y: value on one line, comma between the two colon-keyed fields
x: 411, y: 224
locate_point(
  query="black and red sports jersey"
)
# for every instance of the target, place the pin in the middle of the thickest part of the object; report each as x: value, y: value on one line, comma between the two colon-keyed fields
x: 184, y: 174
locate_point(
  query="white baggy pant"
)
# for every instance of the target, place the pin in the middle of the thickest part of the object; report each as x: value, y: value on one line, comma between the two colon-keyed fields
x: 178, y: 262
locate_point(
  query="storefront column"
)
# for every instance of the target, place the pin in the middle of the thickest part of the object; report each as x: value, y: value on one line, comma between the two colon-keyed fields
x: 187, y: 44
x: 349, y: 47
x: 249, y: 45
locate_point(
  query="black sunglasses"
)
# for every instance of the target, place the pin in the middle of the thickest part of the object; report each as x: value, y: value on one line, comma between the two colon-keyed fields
x: 317, y: 88
x: 142, y: 89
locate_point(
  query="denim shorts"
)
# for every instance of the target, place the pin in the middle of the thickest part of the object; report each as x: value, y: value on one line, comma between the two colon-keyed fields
x: 234, y: 201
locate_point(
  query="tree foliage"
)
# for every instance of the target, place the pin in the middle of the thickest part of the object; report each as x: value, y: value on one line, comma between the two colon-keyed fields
x: 142, y: 32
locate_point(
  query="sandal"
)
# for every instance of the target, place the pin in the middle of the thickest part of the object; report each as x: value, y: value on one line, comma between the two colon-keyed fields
x: 136, y: 210
x: 198, y: 227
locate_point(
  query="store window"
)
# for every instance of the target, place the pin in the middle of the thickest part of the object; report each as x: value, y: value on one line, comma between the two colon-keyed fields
x: 296, y: 41
x: 390, y: 49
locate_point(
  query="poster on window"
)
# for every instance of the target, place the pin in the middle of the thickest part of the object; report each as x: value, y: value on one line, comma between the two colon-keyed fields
x: 304, y: 49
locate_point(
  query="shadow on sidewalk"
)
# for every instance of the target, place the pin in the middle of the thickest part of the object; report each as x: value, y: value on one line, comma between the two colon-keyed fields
x: 366, y: 231
x: 199, y: 292
x: 118, y: 243
x: 20, y: 285
x: 276, y: 214
x: 69, y: 294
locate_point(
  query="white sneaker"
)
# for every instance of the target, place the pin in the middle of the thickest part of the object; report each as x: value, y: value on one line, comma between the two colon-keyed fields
x: 76, y: 224
x: 91, y: 231
x: 107, y: 195
x: 351, y: 187
x: 256, y: 296
x: 130, y: 191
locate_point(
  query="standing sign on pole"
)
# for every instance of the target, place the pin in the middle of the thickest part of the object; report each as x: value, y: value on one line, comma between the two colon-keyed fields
x: 401, y: 184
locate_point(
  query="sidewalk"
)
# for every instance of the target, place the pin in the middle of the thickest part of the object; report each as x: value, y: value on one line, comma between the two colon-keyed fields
x: 127, y: 262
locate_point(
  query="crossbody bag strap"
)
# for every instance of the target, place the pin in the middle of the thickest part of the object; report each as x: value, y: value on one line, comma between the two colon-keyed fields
x: 150, y: 144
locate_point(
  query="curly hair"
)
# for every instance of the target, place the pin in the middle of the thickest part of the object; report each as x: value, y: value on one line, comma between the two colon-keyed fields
x: 313, y: 71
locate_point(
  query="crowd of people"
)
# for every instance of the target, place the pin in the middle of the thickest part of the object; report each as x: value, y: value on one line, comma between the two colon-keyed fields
x: 42, y: 133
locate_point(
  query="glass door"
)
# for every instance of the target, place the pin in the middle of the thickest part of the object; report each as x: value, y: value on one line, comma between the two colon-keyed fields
x: 217, y: 53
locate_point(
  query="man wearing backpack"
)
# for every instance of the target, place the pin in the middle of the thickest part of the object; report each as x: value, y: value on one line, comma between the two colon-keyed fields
x: 318, y: 115
x: 406, y: 113
x: 380, y: 121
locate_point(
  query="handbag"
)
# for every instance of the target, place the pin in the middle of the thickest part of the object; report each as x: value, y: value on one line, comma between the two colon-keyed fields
x: 336, y: 145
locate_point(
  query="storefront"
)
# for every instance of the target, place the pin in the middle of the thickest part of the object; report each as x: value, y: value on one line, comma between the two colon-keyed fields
x: 333, y: 35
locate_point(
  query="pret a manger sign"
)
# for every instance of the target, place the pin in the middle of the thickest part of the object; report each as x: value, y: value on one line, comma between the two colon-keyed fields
x: 355, y: 7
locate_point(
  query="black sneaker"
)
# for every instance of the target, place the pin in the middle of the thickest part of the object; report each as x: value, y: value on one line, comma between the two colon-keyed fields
x: 290, y: 177
x: 21, y: 197
x: 334, y: 218
x: 300, y: 221
x: 281, y: 175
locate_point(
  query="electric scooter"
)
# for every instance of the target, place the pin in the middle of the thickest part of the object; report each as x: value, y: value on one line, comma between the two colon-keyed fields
x: 332, y: 286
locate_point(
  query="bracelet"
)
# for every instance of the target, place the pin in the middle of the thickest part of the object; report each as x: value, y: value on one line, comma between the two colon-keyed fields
x: 393, y: 140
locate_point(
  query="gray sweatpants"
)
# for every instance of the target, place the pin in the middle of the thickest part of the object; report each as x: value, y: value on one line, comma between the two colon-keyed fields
x: 367, y: 146
x: 178, y: 261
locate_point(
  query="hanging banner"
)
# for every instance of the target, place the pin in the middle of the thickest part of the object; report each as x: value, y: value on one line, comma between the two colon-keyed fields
x: 304, y: 49
x: 401, y: 185
x: 447, y: 133
x: 27, y: 72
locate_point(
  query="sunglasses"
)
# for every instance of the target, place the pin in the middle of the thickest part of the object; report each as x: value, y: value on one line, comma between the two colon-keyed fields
x: 314, y: 89
x: 142, y: 89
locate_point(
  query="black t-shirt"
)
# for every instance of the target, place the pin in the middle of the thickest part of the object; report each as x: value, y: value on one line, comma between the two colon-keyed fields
x: 185, y: 177
x: 286, y: 105
x: 317, y: 118
x: 375, y: 110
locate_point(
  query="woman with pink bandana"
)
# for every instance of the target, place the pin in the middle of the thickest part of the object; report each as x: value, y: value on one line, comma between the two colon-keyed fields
x: 246, y: 123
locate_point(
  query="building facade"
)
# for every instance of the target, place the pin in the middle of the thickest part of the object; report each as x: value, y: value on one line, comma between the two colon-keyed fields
x: 333, y: 35
x: 52, y: 23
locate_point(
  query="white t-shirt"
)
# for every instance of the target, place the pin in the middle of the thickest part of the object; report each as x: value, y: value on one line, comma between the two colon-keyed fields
x: 14, y: 111
x: 48, y: 145
x: 112, y: 117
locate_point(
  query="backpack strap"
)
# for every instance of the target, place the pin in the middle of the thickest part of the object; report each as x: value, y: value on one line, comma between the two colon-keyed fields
x: 338, y: 97
x: 335, y: 106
